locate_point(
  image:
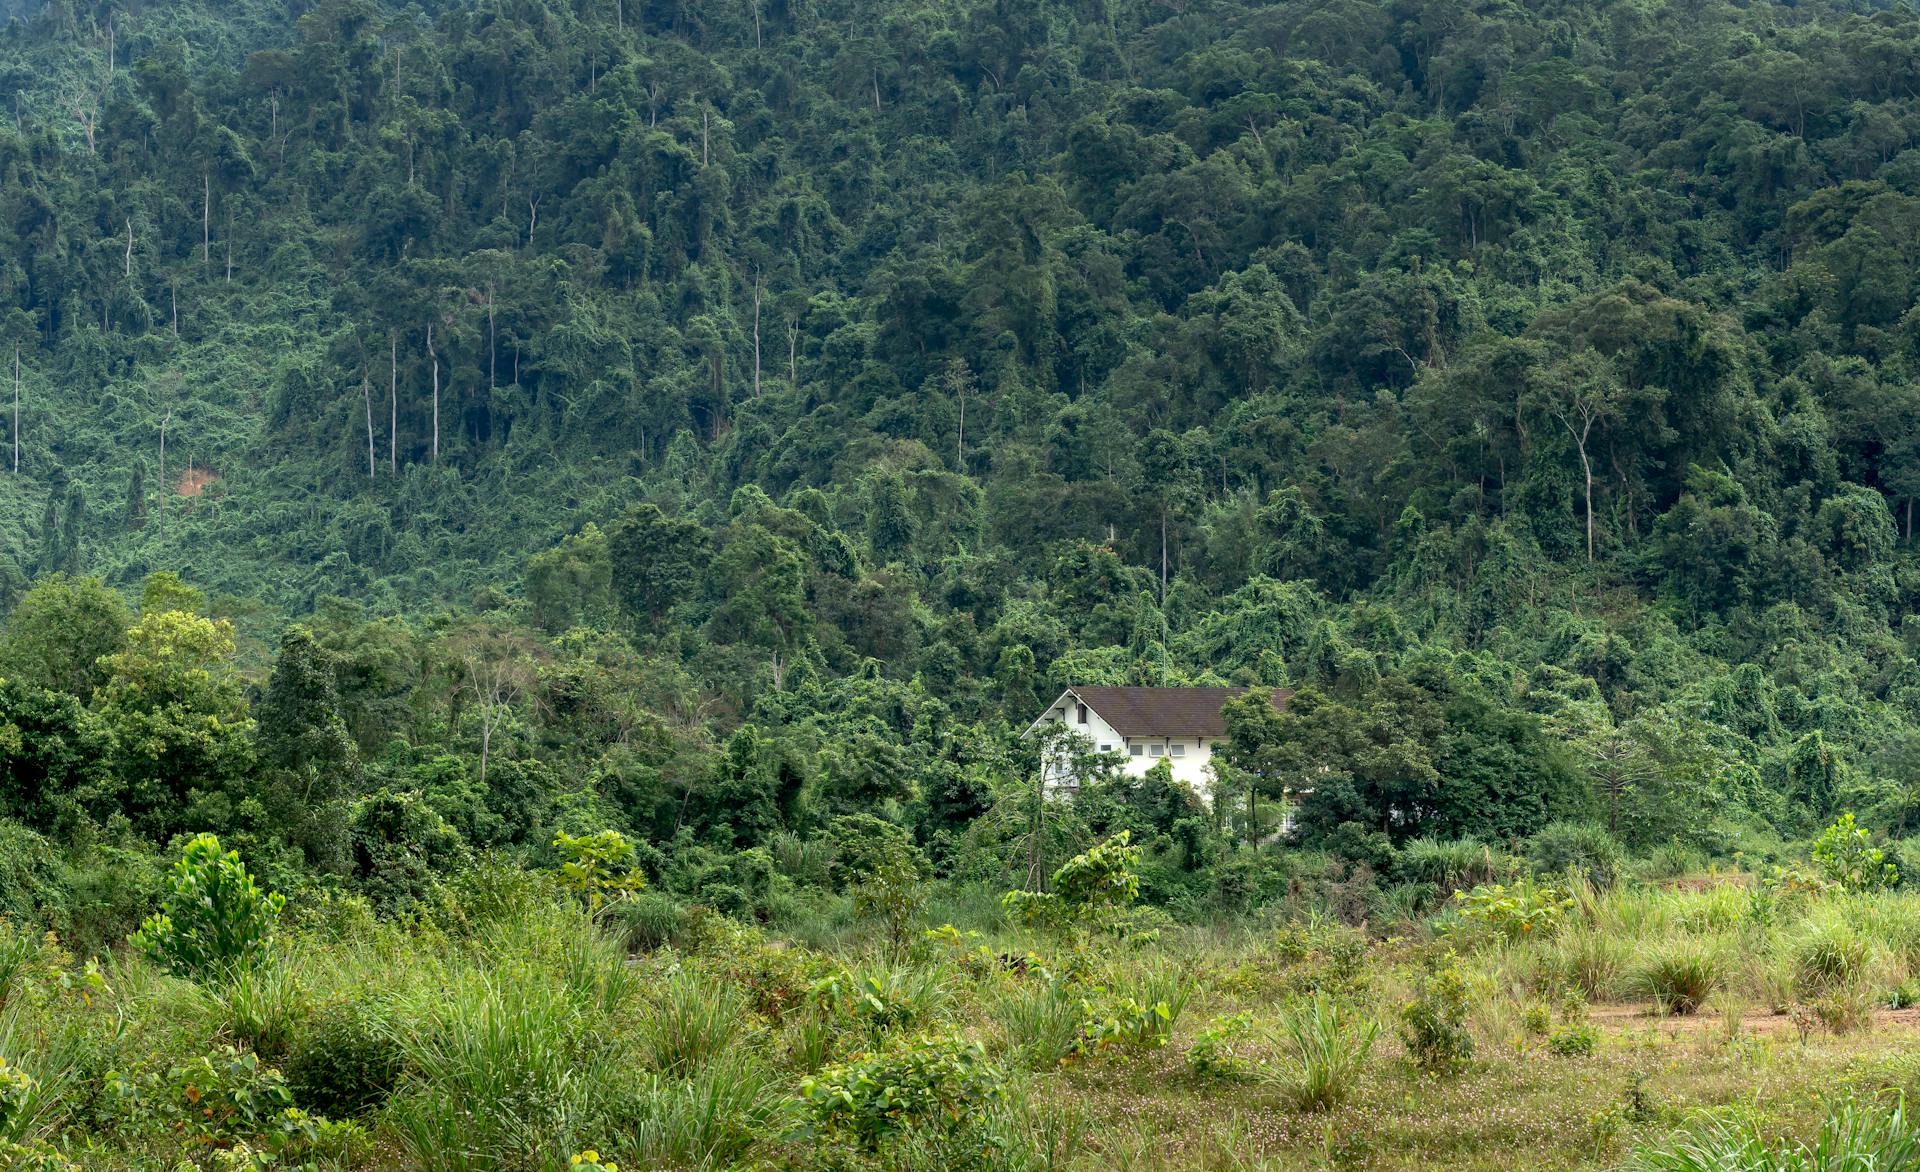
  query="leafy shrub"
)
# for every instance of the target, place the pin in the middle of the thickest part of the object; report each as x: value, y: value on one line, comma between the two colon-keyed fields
x: 1681, y: 973
x: 1580, y: 848
x: 1843, y: 855
x: 1518, y: 910
x: 1433, y: 1025
x: 347, y: 1061
x: 1537, y: 1020
x: 885, y: 999
x: 1090, y: 890
x: 1321, y: 958
x: 1219, y: 1049
x: 930, y: 1082
x: 213, y: 916
x: 1572, y: 1041
x: 1122, y: 1022
x: 598, y: 867
x: 1326, y: 1043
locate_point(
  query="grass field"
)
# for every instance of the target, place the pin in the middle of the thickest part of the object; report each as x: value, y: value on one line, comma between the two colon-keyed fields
x: 502, y: 1027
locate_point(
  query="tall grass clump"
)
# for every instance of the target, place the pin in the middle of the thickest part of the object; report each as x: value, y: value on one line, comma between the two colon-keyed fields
x: 1041, y: 1021
x: 1681, y: 972
x: 1325, y: 1043
x: 263, y: 1004
x: 1589, y: 959
x: 500, y: 1075
x: 1829, y: 953
x: 692, y: 1021
x: 1450, y: 865
x: 1856, y: 1137
x: 713, y: 1118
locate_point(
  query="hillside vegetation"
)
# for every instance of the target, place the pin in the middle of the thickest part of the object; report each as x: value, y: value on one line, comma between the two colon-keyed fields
x: 585, y: 497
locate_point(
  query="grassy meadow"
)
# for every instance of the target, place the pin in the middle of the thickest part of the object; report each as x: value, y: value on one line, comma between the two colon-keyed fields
x: 1707, y: 1020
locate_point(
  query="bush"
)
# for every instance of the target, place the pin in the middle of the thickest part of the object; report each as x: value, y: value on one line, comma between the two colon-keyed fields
x: 1843, y: 855
x: 1433, y: 1025
x: 1580, y: 848
x: 1572, y: 1041
x: 1327, y: 1044
x: 1680, y: 974
x: 599, y: 868
x: 213, y: 917
x: 931, y: 1082
x: 1219, y: 1050
x: 1518, y: 911
x: 347, y: 1061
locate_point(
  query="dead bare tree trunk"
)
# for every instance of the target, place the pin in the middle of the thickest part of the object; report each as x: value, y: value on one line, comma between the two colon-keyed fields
x: 164, y: 420
x: 206, y: 219
x: 16, y: 408
x: 366, y: 395
x: 393, y: 402
x: 759, y: 289
x: 435, y: 360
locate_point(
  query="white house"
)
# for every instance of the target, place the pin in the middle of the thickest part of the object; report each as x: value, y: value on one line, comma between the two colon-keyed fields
x: 1147, y: 725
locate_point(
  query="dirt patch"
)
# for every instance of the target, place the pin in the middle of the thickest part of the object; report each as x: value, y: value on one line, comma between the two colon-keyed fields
x: 1759, y: 1021
x: 1705, y: 882
x: 193, y: 482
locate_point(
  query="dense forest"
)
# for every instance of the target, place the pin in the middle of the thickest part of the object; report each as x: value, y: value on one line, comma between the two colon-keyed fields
x: 512, y: 465
x: 713, y: 422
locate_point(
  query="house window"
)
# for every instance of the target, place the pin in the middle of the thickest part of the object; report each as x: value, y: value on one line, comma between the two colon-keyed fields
x: 1177, y: 749
x: 1106, y: 748
x: 1156, y: 750
x: 1133, y: 750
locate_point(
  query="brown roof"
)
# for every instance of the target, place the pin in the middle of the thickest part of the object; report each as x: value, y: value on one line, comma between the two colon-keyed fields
x: 1166, y: 711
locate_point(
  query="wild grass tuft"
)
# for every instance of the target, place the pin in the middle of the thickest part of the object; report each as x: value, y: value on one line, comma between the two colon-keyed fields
x: 691, y: 1022
x: 1680, y: 973
x: 1856, y: 1137
x: 1324, y: 1045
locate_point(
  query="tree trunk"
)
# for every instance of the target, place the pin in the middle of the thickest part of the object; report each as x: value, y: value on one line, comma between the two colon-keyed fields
x: 393, y: 402
x: 435, y: 360
x: 366, y: 396
x: 206, y: 219
x: 758, y: 289
x: 16, y: 408
x: 1587, y: 466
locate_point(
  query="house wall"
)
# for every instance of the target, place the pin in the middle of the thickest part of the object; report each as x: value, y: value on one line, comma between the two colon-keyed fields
x: 1189, y: 754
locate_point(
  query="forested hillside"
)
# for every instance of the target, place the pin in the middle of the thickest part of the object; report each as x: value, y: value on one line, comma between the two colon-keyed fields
x: 706, y: 420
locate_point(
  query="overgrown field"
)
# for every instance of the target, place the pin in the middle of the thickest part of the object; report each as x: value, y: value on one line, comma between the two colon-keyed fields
x: 529, y: 1020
